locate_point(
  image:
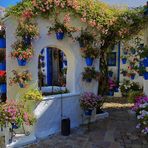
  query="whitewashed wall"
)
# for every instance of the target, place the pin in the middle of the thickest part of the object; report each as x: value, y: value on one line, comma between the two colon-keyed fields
x: 76, y: 63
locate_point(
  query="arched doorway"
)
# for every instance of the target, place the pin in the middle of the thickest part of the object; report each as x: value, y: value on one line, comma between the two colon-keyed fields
x: 52, y: 71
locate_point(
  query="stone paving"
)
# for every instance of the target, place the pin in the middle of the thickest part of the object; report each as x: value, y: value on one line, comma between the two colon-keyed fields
x: 116, y: 131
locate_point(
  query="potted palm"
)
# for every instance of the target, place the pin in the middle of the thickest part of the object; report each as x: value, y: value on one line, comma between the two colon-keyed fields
x: 89, y: 74
x: 22, y: 79
x: 22, y: 53
x: 89, y: 53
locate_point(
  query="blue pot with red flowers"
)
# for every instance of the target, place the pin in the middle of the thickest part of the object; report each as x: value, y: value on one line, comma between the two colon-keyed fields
x: 124, y: 60
x: 88, y: 112
x: 145, y: 62
x: 3, y: 88
x: 89, y: 61
x: 2, y: 43
x: 60, y: 35
x: 2, y: 66
x: 27, y: 40
x: 145, y: 75
x: 21, y: 62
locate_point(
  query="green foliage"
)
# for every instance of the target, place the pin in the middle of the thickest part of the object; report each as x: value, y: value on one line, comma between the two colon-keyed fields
x: 133, y: 94
x: 34, y: 95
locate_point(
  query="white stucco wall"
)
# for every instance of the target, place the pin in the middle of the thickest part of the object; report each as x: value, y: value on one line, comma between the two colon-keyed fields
x: 76, y: 63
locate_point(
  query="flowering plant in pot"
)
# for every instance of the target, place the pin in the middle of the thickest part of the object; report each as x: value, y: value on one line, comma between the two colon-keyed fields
x: 61, y: 29
x: 2, y: 77
x: 27, y: 31
x: 132, y: 74
x: 124, y: 72
x: 15, y: 113
x: 22, y: 53
x: 89, y: 53
x: 141, y: 109
x: 21, y: 79
x: 124, y: 59
x: 89, y: 74
x: 111, y: 85
x: 89, y: 101
x: 86, y: 38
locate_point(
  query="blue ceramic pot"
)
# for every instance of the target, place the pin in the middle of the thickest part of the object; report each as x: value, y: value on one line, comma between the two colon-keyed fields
x: 3, y: 88
x: 116, y: 89
x: 111, y: 93
x: 60, y: 35
x: 110, y: 73
x: 21, y: 85
x: 88, y: 80
x: 145, y: 75
x: 145, y: 62
x: 2, y: 66
x: 88, y: 112
x: 89, y: 61
x: 21, y: 62
x: 124, y: 60
x: 2, y: 43
x: 14, y: 126
x: 27, y: 40
x: 132, y: 77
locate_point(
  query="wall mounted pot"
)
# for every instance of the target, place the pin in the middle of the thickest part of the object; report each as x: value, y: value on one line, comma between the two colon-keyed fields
x: 111, y: 93
x: 14, y: 126
x: 3, y: 66
x: 88, y: 112
x: 3, y: 88
x: 89, y: 61
x: 21, y: 62
x: 145, y: 75
x: 21, y: 85
x: 60, y: 35
x: 110, y: 73
x: 145, y: 62
x: 132, y: 77
x: 27, y: 40
x: 2, y: 43
x: 88, y: 80
x: 124, y: 60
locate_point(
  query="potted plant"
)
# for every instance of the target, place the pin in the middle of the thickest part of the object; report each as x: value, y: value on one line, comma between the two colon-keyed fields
x: 132, y: 75
x: 88, y: 102
x: 27, y: 31
x: 143, y: 52
x: 141, y: 70
x: 89, y: 74
x: 89, y: 53
x: 124, y: 59
x: 86, y: 38
x: 110, y: 73
x: 2, y: 37
x: 15, y: 113
x: 124, y: 72
x: 2, y: 82
x: 61, y: 29
x: 21, y: 79
x: 22, y: 53
x: 112, y: 85
x: 2, y: 60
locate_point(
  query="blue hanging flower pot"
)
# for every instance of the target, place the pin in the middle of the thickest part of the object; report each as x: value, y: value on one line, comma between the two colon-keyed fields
x: 116, y: 89
x: 124, y: 60
x: 3, y: 88
x: 27, y: 40
x: 21, y: 85
x: 14, y: 126
x: 3, y: 66
x: 145, y: 62
x: 21, y: 62
x: 89, y: 61
x: 60, y: 35
x: 145, y: 75
x: 132, y: 77
x: 2, y: 43
x: 88, y: 112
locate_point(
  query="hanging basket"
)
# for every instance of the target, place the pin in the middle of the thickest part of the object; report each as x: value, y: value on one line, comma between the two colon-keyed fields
x: 3, y: 88
x: 145, y: 75
x: 2, y: 43
x: 89, y: 61
x: 124, y: 60
x: 21, y: 62
x: 60, y: 35
x: 3, y: 66
x: 88, y: 112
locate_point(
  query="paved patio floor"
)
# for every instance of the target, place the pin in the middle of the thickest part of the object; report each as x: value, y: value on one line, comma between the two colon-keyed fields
x: 116, y: 131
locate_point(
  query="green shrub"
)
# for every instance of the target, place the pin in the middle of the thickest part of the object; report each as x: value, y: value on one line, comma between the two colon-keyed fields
x: 133, y: 94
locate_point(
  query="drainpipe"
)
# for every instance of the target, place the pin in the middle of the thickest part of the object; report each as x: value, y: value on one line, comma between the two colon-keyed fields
x: 119, y: 53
